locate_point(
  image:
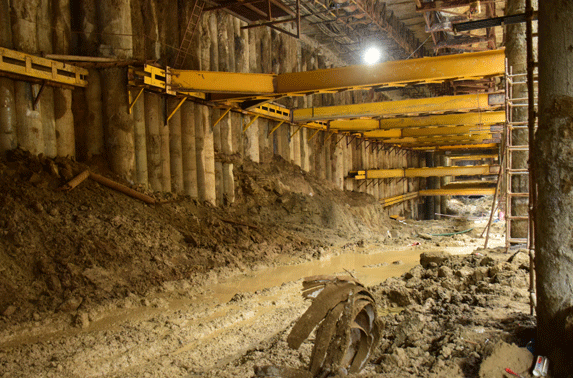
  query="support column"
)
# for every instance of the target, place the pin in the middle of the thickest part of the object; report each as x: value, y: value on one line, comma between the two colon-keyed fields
x: 554, y: 175
x: 189, y: 153
x: 115, y: 25
x: 29, y: 126
x: 8, y: 140
x: 153, y: 140
x: 225, y: 126
x: 175, y: 154
x: 204, y: 131
x: 140, y: 143
x: 46, y: 103
x: 444, y: 162
x: 251, y: 136
x: 87, y: 44
x: 64, y: 118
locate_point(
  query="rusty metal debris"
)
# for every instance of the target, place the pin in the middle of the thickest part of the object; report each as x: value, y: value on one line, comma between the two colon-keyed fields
x: 348, y: 327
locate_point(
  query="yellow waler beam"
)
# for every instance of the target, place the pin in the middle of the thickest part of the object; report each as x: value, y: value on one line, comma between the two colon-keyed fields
x: 482, y: 102
x: 389, y: 201
x: 431, y: 131
x: 18, y: 63
x: 394, y: 73
x: 437, y: 140
x: 474, y: 157
x: 423, y: 70
x: 470, y: 170
x: 458, y: 192
x: 221, y: 82
x: 465, y: 146
x: 467, y: 119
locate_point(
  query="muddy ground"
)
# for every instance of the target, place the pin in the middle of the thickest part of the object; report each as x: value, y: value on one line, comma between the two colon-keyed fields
x: 96, y: 284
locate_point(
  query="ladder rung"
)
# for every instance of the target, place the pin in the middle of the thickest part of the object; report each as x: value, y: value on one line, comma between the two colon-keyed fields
x: 517, y: 240
x: 518, y: 195
x: 516, y: 217
x: 517, y: 171
x: 518, y: 148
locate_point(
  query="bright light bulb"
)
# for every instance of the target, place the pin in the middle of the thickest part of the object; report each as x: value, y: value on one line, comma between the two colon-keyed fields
x: 372, y: 55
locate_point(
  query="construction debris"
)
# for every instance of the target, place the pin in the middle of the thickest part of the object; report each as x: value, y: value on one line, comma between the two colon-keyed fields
x: 348, y: 328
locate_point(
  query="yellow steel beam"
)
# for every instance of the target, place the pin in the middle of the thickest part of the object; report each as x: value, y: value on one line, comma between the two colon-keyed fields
x: 464, y: 146
x: 437, y: 140
x: 276, y: 127
x: 389, y: 201
x: 466, y: 119
x: 250, y: 122
x: 462, y: 103
x: 458, y: 192
x: 222, y: 116
x: 415, y: 132
x: 423, y: 70
x: 226, y: 85
x: 133, y: 101
x: 179, y: 105
x: 470, y: 170
x: 474, y: 157
x: 221, y: 82
x: 31, y: 66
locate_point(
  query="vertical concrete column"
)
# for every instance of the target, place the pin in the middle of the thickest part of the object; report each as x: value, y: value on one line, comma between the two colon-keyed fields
x: 215, y: 33
x: 338, y: 163
x: 8, y: 139
x: 46, y: 102
x: 304, y: 150
x: 252, y: 54
x: 94, y: 127
x: 62, y: 103
x: 164, y: 145
x: 140, y: 143
x: 204, y: 131
x: 554, y: 175
x: 444, y: 162
x: 240, y: 55
x: 226, y: 64
x: 190, y: 112
x: 115, y: 25
x: 29, y: 126
x: 327, y: 148
x: 153, y: 124
x: 87, y: 44
x: 436, y: 185
x: 189, y: 163
x: 175, y: 153
x: 140, y: 139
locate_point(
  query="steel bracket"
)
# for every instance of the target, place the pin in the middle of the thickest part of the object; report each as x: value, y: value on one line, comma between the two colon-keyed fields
x: 37, y: 97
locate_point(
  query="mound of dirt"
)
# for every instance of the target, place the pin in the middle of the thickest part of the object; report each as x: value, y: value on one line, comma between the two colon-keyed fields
x: 456, y: 316
x: 63, y: 251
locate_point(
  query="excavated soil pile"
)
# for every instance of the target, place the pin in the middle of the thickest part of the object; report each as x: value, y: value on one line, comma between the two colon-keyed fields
x: 64, y: 251
x: 459, y: 317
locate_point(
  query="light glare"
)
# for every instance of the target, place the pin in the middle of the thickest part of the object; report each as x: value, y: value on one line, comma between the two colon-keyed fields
x: 372, y: 55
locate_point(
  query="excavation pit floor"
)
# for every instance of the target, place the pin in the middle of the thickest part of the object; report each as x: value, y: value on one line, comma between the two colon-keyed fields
x: 96, y: 284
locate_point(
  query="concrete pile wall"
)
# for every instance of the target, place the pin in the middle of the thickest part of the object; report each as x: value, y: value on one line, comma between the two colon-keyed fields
x: 186, y: 155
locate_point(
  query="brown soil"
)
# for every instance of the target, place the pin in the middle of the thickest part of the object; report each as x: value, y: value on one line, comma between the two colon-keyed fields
x: 95, y: 283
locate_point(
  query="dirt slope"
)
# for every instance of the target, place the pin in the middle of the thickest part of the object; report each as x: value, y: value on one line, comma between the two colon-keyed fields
x: 61, y: 251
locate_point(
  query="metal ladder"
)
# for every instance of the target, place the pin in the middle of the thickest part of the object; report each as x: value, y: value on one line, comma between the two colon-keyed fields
x: 189, y: 32
x: 511, y: 80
